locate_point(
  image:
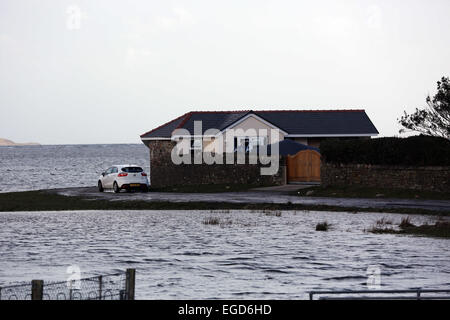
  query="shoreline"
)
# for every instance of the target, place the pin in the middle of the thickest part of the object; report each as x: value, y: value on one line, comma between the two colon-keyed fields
x: 72, y: 199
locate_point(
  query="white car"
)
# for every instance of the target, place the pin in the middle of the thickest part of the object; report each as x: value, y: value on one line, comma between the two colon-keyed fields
x: 125, y: 176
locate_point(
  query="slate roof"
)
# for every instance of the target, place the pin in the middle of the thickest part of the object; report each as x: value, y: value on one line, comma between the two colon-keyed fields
x: 294, y: 122
x: 290, y: 147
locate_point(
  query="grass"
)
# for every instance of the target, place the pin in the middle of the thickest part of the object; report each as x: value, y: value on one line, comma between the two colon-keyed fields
x: 207, y: 188
x: 383, y: 221
x: 217, y: 221
x: 406, y: 223
x: 322, y: 226
x: 364, y: 192
x: 440, y: 229
x: 272, y: 213
x: 45, y: 201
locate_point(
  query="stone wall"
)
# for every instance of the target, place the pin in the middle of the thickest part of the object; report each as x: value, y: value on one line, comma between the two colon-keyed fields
x: 417, y: 178
x: 163, y: 172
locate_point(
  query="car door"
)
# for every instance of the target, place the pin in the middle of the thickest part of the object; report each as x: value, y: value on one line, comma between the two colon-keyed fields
x: 107, y: 183
x: 113, y: 175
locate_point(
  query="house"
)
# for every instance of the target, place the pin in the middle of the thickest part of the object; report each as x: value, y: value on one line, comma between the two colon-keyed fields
x: 308, y: 127
x: 246, y: 130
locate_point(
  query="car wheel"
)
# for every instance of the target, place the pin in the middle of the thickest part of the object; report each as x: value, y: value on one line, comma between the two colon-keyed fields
x: 100, y: 186
x: 116, y: 187
x: 145, y: 189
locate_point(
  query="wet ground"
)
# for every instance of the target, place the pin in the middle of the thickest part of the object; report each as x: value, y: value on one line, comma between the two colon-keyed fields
x: 257, y: 196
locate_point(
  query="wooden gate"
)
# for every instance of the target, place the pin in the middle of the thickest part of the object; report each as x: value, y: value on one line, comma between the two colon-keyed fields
x: 304, y: 167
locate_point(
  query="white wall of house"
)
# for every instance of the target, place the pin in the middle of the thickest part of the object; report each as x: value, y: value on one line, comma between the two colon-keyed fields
x: 249, y: 127
x: 253, y: 122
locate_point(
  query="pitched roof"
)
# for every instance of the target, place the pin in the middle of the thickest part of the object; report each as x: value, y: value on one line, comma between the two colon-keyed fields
x: 289, y: 147
x: 294, y: 122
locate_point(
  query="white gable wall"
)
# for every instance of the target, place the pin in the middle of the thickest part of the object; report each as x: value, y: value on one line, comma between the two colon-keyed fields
x: 249, y: 127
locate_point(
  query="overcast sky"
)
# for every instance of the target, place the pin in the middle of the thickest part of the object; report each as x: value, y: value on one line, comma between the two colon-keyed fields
x: 107, y: 71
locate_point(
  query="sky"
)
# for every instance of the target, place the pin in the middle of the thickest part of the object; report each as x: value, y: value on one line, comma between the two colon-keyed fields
x: 85, y: 72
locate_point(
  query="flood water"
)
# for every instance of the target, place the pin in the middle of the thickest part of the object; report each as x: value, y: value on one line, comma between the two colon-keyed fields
x: 254, y: 255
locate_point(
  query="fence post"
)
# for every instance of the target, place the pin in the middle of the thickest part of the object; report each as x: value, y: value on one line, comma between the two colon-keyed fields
x: 37, y: 289
x: 129, y: 284
x: 100, y: 287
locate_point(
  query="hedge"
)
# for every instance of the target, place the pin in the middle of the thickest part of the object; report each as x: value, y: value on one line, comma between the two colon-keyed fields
x: 411, y: 151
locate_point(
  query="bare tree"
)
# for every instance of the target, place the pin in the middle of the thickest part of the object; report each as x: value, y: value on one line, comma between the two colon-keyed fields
x: 434, y: 120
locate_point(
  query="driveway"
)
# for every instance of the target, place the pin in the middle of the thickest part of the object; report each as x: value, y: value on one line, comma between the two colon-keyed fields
x: 256, y: 197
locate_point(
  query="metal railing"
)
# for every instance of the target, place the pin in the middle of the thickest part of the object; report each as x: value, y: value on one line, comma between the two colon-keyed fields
x: 117, y: 286
x: 412, y: 294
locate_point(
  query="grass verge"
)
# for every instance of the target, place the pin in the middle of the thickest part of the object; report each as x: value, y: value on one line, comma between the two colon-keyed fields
x: 440, y: 229
x: 362, y: 192
x: 45, y: 201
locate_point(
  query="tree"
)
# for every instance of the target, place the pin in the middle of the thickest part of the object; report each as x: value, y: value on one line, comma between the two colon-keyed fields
x: 434, y: 120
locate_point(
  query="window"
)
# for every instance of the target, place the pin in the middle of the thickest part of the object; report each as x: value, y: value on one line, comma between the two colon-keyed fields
x: 132, y: 169
x: 241, y: 144
x: 115, y: 170
x: 248, y: 144
x: 255, y: 143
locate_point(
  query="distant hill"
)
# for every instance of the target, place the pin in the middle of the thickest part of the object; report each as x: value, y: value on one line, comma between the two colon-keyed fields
x: 6, y: 142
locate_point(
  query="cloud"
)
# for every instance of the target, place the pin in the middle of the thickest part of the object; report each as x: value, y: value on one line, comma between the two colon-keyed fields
x: 141, y: 27
x: 374, y: 18
x: 5, y: 39
x: 9, y: 45
x: 341, y: 34
x: 135, y: 56
x: 137, y: 51
x: 180, y: 17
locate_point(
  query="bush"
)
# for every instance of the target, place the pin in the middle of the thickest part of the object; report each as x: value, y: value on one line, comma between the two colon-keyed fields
x: 411, y: 151
x: 322, y: 226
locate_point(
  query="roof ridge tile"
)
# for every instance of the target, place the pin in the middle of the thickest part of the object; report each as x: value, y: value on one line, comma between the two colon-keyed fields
x: 280, y: 110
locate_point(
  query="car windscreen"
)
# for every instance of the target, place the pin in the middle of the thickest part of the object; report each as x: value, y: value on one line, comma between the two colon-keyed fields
x: 132, y: 169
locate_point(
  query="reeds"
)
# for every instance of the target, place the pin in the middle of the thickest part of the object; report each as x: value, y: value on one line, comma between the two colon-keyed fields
x: 383, y: 221
x: 217, y: 221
